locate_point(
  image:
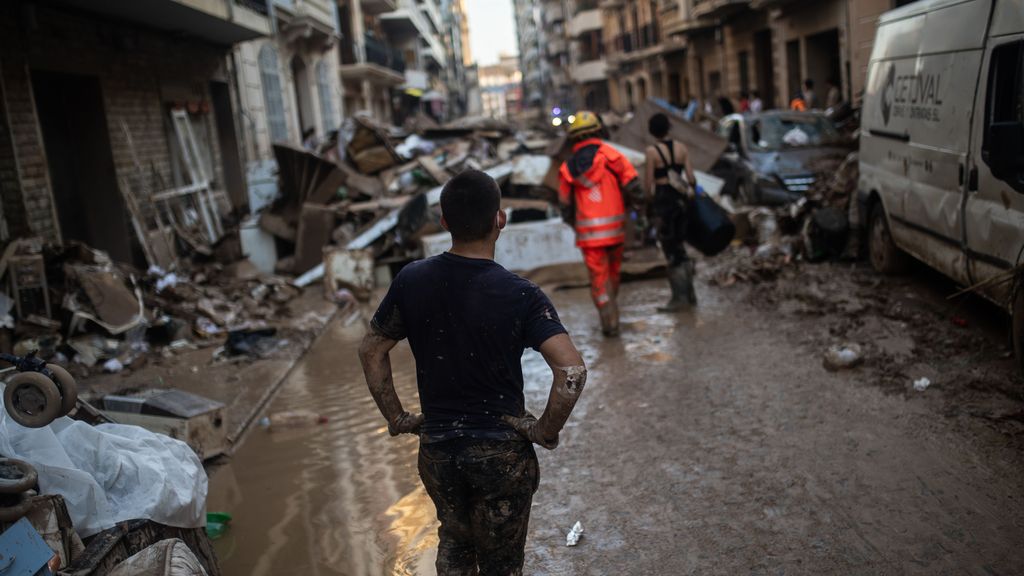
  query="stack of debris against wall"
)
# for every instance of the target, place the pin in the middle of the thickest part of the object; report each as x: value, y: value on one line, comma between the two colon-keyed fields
x: 827, y: 224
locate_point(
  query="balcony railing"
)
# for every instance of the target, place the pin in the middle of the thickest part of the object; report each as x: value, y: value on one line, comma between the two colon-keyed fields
x: 382, y: 54
x: 646, y: 37
x: 259, y: 6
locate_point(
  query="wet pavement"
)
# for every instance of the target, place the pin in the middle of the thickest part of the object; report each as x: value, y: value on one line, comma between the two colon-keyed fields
x: 705, y: 443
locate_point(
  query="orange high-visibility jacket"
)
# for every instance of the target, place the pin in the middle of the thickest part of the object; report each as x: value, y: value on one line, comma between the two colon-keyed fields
x: 593, y: 178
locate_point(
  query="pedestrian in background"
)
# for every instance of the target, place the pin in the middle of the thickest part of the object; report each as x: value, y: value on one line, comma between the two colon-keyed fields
x: 468, y: 321
x: 670, y: 184
x: 756, y: 105
x: 744, y: 102
x: 809, y: 97
x: 591, y: 186
x: 833, y: 98
x: 798, y: 104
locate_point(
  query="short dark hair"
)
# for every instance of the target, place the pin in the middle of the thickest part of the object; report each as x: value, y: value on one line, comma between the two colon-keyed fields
x: 469, y: 202
x: 809, y: 83
x: 658, y: 125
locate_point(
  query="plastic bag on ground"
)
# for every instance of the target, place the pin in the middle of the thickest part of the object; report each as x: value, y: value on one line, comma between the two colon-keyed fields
x: 111, y: 473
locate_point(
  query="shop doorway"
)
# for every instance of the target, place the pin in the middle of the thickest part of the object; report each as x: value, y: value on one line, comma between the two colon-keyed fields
x: 764, y: 67
x: 227, y: 141
x: 80, y: 163
x: 823, y: 62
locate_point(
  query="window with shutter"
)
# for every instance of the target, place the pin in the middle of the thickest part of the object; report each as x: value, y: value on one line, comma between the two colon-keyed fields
x: 273, y: 97
x: 326, y: 100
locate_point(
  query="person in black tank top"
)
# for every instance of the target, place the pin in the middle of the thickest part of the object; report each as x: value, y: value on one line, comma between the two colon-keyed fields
x: 669, y: 209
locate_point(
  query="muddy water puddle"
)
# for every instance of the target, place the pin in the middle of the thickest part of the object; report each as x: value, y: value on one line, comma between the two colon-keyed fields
x: 341, y: 496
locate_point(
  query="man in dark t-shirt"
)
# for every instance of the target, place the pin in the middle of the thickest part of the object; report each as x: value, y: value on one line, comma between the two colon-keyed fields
x: 468, y: 321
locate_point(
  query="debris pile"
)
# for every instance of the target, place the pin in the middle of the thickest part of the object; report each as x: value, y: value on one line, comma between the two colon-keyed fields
x: 364, y: 205
x: 75, y: 306
x: 826, y: 224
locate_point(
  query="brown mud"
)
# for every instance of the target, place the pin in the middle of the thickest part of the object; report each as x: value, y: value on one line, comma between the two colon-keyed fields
x: 709, y: 442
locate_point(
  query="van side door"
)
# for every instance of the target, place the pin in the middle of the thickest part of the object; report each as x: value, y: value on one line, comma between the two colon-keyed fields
x: 994, y: 203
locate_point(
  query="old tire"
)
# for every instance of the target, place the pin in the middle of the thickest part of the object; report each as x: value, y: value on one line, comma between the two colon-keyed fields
x: 1018, y: 327
x: 16, y: 476
x: 885, y: 256
x: 13, y: 507
x: 32, y: 399
x: 68, y: 389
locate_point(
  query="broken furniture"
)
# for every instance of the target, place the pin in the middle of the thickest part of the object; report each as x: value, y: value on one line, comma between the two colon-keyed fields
x: 28, y: 285
x: 370, y: 148
x: 39, y: 392
x: 189, y: 210
x: 197, y: 421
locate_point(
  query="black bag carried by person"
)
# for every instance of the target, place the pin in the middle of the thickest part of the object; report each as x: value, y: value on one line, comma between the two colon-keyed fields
x: 710, y: 230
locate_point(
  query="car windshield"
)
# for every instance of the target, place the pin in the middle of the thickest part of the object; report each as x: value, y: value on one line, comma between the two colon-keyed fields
x: 769, y: 133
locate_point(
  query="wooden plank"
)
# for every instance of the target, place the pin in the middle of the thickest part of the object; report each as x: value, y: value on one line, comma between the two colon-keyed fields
x: 440, y: 175
x: 316, y: 223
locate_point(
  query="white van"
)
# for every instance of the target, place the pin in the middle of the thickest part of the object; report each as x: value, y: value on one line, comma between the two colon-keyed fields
x: 942, y: 145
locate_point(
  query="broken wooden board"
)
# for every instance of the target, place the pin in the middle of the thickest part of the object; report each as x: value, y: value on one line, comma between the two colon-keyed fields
x: 370, y: 186
x: 439, y: 174
x: 162, y: 245
x: 277, y: 226
x: 373, y: 160
x: 500, y: 173
x: 370, y: 149
x: 305, y: 176
x: 113, y: 302
x: 316, y: 223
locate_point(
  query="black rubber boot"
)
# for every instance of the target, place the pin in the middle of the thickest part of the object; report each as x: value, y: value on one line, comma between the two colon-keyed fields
x: 609, y: 314
x: 680, y: 282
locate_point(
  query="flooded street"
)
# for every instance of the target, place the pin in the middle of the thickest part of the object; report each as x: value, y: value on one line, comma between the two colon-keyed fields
x: 711, y: 442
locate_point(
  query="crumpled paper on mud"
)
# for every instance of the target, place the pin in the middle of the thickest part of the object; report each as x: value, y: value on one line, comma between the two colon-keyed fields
x: 573, y: 537
x: 112, y: 472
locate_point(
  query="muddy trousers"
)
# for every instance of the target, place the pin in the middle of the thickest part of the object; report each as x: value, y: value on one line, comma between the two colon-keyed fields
x: 671, y: 217
x: 604, y: 265
x: 482, y: 490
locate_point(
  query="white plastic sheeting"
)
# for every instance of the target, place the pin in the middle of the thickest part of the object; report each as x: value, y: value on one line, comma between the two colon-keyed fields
x: 524, y: 246
x: 111, y: 473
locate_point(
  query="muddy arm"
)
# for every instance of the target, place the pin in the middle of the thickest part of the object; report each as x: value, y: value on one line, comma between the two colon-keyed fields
x: 374, y: 355
x: 569, y: 376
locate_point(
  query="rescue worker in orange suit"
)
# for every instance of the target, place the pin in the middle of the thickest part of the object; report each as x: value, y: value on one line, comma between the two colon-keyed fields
x: 593, y: 184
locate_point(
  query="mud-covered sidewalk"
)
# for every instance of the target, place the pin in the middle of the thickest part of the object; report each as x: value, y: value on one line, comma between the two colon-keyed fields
x: 707, y: 443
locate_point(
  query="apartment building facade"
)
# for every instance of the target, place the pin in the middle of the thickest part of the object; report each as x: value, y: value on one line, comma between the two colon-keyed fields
x: 624, y: 51
x: 86, y: 94
x: 530, y: 39
x: 501, y: 88
x: 288, y: 80
x: 399, y: 57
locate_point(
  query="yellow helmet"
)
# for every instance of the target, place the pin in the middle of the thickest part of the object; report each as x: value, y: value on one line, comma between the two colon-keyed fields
x: 583, y: 122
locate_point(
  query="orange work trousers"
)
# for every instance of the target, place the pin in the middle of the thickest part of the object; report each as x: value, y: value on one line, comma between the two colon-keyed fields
x: 604, y: 264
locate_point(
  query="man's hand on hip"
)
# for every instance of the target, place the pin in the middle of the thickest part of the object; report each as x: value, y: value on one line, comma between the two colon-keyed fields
x: 529, y: 427
x: 406, y: 423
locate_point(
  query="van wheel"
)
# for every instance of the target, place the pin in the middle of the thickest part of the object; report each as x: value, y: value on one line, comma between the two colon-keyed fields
x: 1018, y: 327
x: 885, y: 256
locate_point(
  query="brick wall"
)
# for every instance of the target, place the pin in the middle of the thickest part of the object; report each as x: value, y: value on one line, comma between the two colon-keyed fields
x: 14, y: 215
x: 141, y: 73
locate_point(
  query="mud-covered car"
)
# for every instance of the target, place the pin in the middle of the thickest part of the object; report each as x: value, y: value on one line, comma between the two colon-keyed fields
x: 775, y: 157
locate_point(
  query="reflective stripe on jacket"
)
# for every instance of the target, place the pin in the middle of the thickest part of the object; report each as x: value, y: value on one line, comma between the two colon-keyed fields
x: 593, y: 178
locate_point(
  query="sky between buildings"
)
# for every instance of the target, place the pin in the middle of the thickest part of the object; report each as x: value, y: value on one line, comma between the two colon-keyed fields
x: 492, y: 29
